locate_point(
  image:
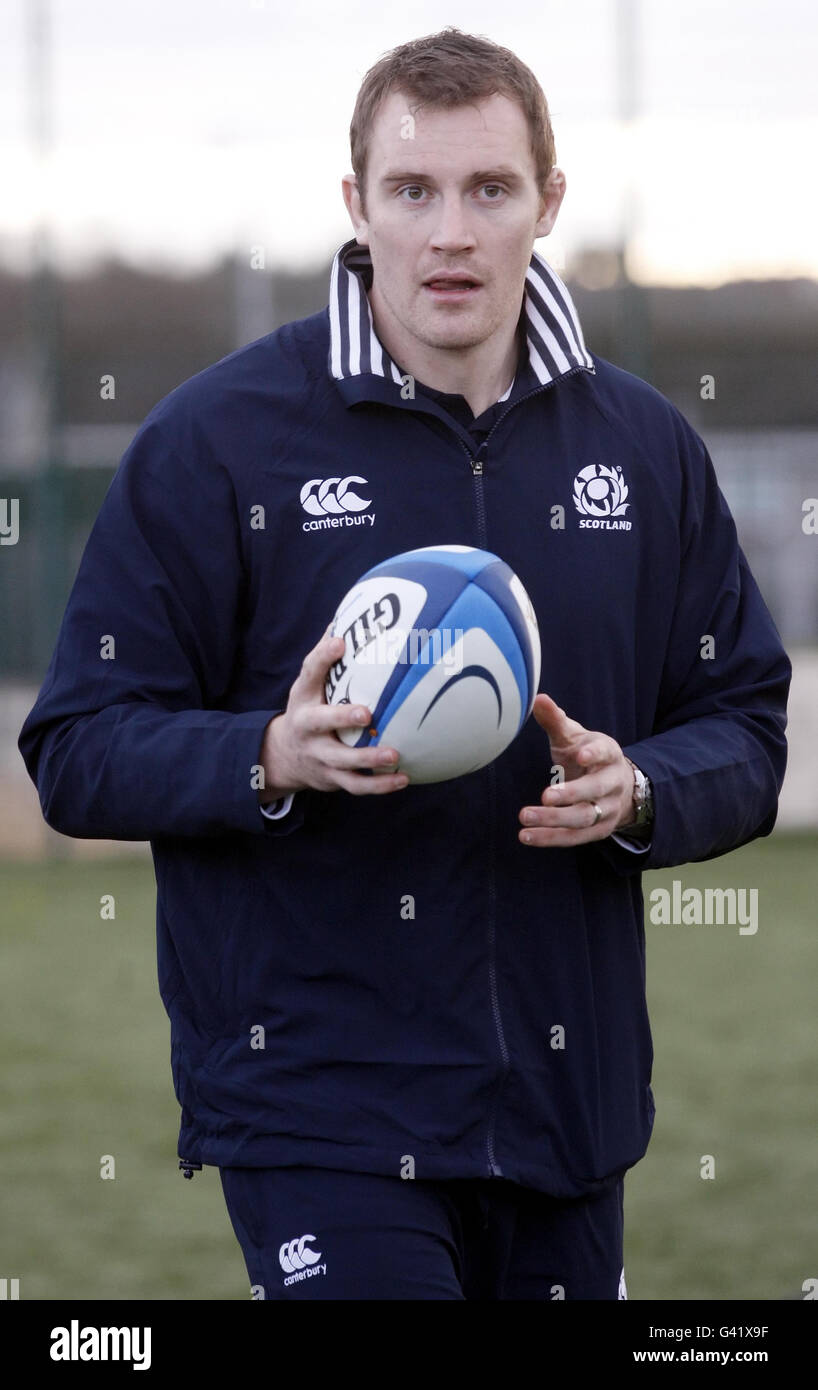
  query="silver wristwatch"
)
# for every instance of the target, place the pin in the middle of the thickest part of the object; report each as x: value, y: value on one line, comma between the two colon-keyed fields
x: 642, y: 799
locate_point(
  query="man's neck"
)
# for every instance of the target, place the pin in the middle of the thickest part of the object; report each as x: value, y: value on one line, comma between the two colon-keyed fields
x: 481, y: 376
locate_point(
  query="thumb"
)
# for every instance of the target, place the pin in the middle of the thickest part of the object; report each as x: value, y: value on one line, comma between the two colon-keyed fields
x: 553, y: 719
x: 309, y: 683
x: 548, y: 714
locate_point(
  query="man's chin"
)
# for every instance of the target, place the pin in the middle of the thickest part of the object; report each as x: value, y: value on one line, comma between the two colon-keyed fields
x: 452, y: 337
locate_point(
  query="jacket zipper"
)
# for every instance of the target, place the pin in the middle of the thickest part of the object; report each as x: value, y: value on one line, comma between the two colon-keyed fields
x: 495, y: 1171
x: 494, y: 1168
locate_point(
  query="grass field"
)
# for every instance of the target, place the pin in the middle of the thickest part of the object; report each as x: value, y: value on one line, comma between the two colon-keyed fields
x: 85, y: 1072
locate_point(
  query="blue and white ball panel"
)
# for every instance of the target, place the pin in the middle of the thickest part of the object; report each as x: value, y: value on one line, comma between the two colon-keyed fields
x: 441, y: 644
x: 457, y: 717
x: 461, y: 563
x: 443, y: 649
x: 375, y: 620
x: 526, y: 607
x: 502, y: 583
x: 464, y: 559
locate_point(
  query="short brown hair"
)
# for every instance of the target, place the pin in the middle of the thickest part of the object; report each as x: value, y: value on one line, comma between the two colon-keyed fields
x: 446, y: 70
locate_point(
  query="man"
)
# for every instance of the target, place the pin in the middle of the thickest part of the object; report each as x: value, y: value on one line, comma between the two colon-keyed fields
x: 409, y: 1022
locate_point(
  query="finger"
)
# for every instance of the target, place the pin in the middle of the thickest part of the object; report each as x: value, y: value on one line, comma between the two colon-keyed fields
x: 561, y: 837
x: 580, y: 817
x: 326, y: 719
x: 597, y: 750
x: 345, y: 759
x: 359, y: 785
x: 577, y: 761
x: 590, y: 786
x: 309, y: 683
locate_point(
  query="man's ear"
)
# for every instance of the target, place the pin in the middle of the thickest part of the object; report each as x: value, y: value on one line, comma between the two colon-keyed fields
x: 352, y: 198
x: 550, y: 202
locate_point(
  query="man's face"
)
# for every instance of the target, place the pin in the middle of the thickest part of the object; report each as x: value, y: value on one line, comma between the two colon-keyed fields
x: 458, y: 198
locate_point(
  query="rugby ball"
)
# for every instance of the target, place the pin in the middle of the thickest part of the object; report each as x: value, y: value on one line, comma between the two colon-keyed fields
x: 441, y: 644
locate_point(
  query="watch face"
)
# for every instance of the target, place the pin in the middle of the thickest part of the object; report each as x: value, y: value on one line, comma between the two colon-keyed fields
x: 642, y: 797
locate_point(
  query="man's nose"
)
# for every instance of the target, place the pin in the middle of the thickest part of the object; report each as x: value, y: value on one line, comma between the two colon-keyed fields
x: 453, y: 229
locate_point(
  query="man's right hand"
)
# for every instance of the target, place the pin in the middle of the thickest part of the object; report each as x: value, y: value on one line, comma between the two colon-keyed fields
x: 300, y: 749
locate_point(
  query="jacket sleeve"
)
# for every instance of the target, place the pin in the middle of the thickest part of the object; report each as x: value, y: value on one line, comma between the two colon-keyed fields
x: 717, y: 753
x: 127, y: 739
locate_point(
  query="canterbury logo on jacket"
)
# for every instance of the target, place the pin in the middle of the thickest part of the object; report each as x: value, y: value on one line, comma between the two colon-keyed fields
x: 369, y: 979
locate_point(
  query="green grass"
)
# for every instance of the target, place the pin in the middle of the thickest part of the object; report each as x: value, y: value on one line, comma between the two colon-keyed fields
x: 734, y: 1076
x: 85, y: 1071
x: 85, y: 1043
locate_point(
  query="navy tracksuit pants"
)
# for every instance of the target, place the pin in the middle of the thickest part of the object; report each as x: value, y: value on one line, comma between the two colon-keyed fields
x: 318, y: 1233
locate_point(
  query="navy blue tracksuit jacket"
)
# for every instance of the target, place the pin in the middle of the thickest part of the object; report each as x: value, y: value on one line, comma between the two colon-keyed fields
x: 250, y: 500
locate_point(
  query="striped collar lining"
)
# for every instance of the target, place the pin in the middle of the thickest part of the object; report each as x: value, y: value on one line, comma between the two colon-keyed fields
x: 553, y: 332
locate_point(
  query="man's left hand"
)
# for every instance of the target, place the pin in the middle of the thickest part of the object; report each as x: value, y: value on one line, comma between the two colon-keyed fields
x: 596, y: 775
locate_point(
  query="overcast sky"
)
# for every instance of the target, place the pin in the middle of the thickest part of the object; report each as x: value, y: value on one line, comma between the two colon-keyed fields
x: 186, y: 128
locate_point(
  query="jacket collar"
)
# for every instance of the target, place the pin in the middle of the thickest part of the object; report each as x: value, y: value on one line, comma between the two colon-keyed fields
x: 553, y: 333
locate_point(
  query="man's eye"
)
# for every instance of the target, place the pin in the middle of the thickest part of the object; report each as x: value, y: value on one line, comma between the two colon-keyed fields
x: 494, y: 188
x: 412, y: 188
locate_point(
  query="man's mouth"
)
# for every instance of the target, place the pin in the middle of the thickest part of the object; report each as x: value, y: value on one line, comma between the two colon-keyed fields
x: 452, y: 286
